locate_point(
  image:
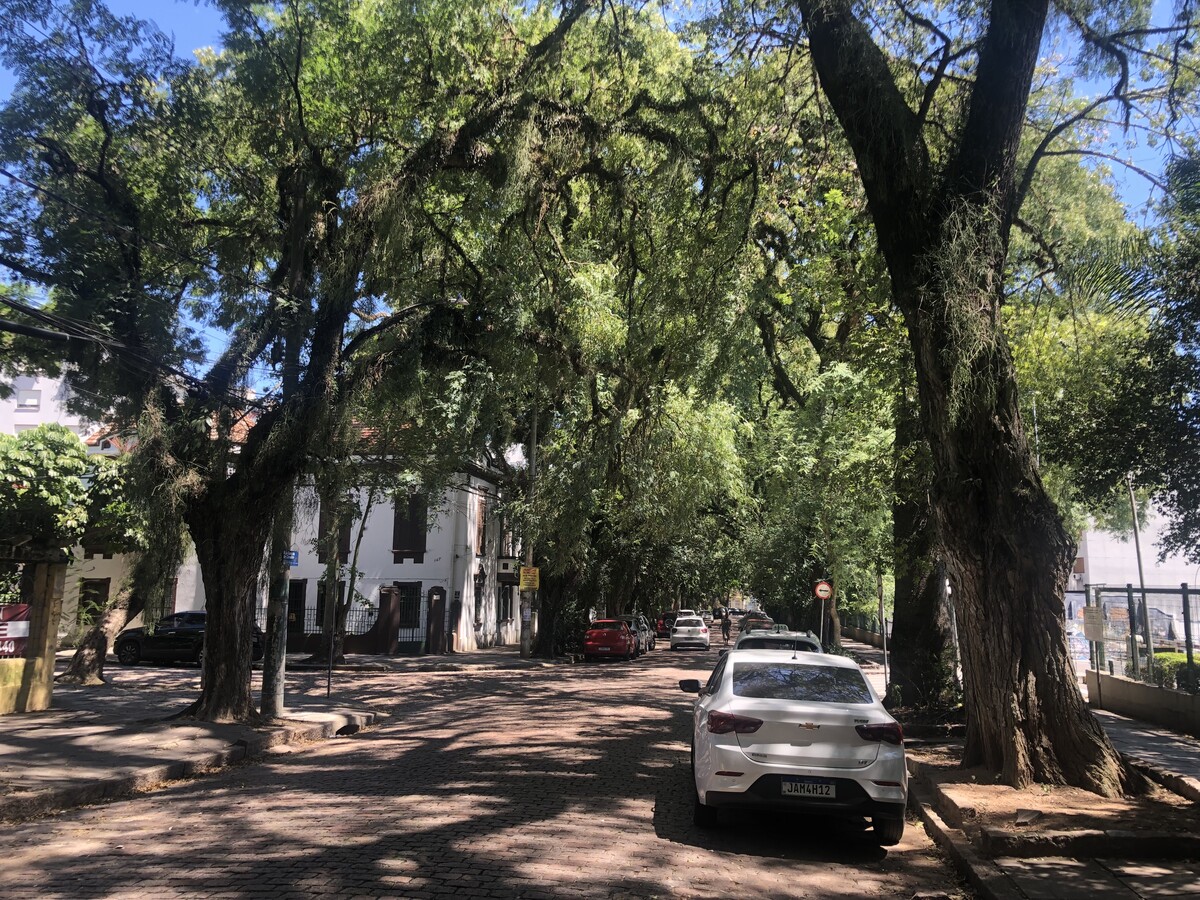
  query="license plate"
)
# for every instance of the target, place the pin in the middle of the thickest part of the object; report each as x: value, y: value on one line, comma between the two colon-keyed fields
x: 604, y: 649
x: 794, y: 787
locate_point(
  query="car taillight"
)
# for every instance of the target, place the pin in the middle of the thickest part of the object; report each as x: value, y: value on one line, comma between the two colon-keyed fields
x: 723, y: 723
x: 704, y: 631
x: 888, y: 732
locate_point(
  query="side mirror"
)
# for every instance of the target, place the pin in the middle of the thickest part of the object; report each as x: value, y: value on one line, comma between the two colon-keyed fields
x: 690, y: 685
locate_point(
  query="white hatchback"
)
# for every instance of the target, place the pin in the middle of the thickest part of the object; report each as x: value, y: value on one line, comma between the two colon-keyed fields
x: 689, y: 631
x: 795, y: 731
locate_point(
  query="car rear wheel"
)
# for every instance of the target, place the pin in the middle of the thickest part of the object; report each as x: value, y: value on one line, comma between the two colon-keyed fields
x: 198, y: 656
x: 888, y: 830
x: 703, y: 816
x: 128, y: 653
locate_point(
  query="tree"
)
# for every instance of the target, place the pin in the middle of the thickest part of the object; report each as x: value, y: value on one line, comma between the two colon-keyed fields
x: 944, y: 202
x: 304, y: 184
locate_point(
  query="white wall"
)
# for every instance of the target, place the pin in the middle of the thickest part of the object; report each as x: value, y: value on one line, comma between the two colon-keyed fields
x: 451, y: 560
x: 52, y: 401
x: 1109, y: 560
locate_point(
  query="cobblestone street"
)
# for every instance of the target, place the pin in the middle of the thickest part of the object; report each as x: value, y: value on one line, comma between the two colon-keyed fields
x: 566, y: 782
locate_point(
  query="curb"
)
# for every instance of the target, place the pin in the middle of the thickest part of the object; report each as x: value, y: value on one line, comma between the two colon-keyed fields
x: 984, y: 876
x: 1089, y: 843
x: 1183, y: 785
x: 37, y: 803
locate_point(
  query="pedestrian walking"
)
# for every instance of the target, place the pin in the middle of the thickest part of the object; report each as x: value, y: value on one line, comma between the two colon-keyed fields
x: 725, y: 626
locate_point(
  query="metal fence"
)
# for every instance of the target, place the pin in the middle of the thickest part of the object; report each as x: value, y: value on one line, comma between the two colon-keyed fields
x: 1133, y: 630
x: 867, y: 623
x: 359, y: 619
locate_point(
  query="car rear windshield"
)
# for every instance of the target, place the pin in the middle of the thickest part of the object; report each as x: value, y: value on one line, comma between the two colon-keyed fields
x: 793, y: 681
x: 688, y: 623
x: 776, y: 644
x: 606, y: 626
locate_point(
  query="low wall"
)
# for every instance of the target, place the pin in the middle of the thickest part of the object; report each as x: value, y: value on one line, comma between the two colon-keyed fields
x: 862, y: 636
x: 26, y: 682
x: 1176, y: 710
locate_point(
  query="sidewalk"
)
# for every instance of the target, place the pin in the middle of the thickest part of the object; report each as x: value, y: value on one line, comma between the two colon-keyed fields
x: 1175, y: 760
x: 490, y: 659
x: 107, y: 741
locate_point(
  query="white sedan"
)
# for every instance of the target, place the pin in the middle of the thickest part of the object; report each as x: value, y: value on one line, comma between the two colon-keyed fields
x: 783, y: 730
x: 689, y: 631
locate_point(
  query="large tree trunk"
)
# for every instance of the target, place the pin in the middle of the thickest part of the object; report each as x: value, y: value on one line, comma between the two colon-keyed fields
x: 921, y: 646
x: 1008, y: 557
x: 231, y: 536
x: 87, y: 665
x: 944, y: 229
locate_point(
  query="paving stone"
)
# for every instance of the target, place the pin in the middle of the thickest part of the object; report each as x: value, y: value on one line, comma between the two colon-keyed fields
x: 1064, y: 879
x: 568, y: 782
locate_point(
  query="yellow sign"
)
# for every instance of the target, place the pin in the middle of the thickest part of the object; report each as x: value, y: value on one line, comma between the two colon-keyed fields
x: 530, y: 578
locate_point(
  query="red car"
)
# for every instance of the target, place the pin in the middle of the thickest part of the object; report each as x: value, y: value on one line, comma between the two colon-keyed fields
x: 609, y: 637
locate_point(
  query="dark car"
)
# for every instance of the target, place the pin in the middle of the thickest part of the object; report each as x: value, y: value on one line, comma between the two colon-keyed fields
x: 755, y: 619
x: 663, y: 627
x: 177, y: 638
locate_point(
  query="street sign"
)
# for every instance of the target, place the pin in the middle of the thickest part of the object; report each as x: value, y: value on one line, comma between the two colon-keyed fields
x: 1093, y: 623
x: 291, y: 557
x: 823, y: 590
x: 530, y: 578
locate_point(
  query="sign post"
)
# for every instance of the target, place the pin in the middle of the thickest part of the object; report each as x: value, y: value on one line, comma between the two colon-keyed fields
x: 823, y: 590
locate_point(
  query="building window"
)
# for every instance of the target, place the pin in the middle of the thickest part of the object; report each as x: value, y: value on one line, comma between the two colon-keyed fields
x: 21, y: 429
x: 409, y: 594
x: 29, y: 401
x: 93, y: 598
x: 319, y: 624
x: 504, y: 603
x: 481, y: 525
x: 323, y: 526
x: 409, y: 528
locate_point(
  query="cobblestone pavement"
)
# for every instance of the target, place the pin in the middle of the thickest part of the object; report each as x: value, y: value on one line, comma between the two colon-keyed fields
x: 570, y: 782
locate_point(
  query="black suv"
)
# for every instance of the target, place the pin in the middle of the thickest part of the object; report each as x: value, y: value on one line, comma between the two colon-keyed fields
x: 176, y: 638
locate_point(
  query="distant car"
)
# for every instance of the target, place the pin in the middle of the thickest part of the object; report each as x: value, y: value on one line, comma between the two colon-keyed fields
x: 177, y: 638
x: 685, y: 612
x: 805, y: 735
x: 804, y: 641
x: 645, y: 635
x: 689, y: 631
x: 755, y: 619
x: 665, y: 621
x: 609, y: 637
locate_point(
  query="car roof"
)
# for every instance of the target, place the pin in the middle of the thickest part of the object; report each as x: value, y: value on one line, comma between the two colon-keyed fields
x: 823, y: 659
x: 595, y: 621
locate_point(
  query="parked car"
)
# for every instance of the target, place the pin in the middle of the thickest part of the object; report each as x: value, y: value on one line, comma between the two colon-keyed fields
x: 803, y: 735
x: 755, y: 619
x: 176, y: 638
x: 689, y: 631
x: 609, y: 637
x: 804, y: 641
x: 665, y: 621
x: 641, y: 629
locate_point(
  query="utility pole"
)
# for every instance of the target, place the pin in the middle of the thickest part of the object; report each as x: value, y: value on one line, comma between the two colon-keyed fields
x: 527, y: 596
x: 1137, y: 545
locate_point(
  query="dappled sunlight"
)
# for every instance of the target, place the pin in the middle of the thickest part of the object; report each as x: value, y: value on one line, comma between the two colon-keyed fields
x: 572, y: 782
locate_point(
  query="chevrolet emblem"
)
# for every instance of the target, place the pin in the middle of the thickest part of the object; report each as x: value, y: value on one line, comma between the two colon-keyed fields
x: 809, y: 725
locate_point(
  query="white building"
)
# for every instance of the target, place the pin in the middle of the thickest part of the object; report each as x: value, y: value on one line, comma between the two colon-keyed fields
x: 39, y: 401
x: 434, y: 567
x: 1107, y: 559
